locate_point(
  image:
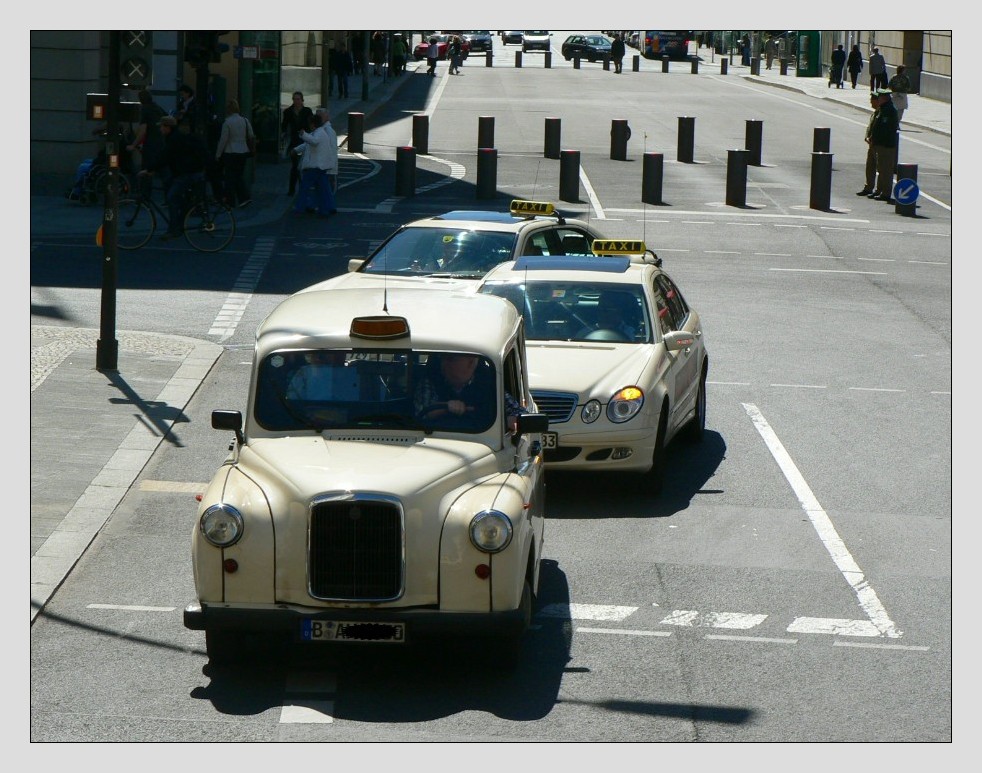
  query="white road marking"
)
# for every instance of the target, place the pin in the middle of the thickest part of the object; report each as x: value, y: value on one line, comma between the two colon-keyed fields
x: 935, y: 201
x: 764, y: 639
x: 875, y: 389
x: 802, y: 386
x: 871, y: 645
x: 833, y: 627
x: 755, y: 225
x: 878, y: 260
x: 587, y: 612
x: 729, y: 383
x: 774, y: 254
x: 130, y: 607
x: 940, y: 393
x: 882, y: 231
x: 925, y: 233
x: 238, y: 300
x: 829, y: 271
x: 704, y: 213
x: 688, y: 618
x: 835, y: 228
x: 721, y: 252
x: 592, y: 195
x: 307, y: 712
x: 830, y: 257
x: 927, y: 262
x: 868, y: 600
x: 623, y: 631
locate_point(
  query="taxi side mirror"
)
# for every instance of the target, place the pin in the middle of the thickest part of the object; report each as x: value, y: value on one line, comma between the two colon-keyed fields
x: 230, y: 420
x: 531, y: 423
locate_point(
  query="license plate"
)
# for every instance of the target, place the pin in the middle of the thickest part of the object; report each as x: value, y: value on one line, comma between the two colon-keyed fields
x: 550, y: 440
x: 334, y: 630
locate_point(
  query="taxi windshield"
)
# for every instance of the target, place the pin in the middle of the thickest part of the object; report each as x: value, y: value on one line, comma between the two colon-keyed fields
x: 558, y: 310
x: 451, y: 252
x: 326, y: 389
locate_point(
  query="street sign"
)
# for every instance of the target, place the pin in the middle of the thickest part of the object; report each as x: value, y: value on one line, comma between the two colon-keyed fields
x: 906, y: 191
x: 245, y: 52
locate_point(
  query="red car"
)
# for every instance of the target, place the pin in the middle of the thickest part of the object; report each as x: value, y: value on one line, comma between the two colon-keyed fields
x: 442, y: 42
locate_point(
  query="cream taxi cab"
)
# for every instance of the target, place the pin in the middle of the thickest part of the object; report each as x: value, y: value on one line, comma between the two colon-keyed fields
x: 617, y: 358
x: 385, y: 483
x: 456, y: 249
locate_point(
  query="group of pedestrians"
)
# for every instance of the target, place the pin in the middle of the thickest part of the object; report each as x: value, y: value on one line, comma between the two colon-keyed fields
x: 312, y: 147
x: 882, y: 135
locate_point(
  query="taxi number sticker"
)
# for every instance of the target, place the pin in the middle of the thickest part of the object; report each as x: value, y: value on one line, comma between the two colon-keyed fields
x: 550, y: 440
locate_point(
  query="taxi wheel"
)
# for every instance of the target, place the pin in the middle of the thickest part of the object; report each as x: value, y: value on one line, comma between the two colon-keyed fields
x: 656, y: 475
x: 697, y: 424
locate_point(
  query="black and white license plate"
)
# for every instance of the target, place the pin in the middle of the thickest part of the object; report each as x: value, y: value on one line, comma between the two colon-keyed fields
x: 550, y: 440
x: 334, y: 630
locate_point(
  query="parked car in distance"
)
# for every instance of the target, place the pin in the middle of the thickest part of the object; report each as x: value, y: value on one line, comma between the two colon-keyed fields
x: 478, y: 40
x: 443, y: 42
x: 593, y: 48
x: 617, y: 358
x: 536, y: 40
x: 511, y: 36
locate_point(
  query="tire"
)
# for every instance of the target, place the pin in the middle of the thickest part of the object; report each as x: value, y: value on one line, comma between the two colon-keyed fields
x: 656, y: 475
x: 697, y: 424
x: 136, y: 223
x: 209, y: 226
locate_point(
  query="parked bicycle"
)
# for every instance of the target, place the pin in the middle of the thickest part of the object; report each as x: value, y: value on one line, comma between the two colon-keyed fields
x: 209, y: 225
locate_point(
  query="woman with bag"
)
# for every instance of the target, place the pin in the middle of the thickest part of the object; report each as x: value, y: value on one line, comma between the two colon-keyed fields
x: 235, y: 147
x: 854, y: 64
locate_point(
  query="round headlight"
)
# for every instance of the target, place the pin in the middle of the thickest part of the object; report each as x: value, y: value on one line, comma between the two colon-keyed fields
x: 590, y: 412
x: 625, y: 404
x: 491, y: 531
x: 221, y: 525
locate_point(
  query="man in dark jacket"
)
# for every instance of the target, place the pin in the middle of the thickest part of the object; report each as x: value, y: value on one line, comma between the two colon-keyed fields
x: 838, y: 65
x: 883, y: 138
x: 186, y: 157
x: 617, y: 52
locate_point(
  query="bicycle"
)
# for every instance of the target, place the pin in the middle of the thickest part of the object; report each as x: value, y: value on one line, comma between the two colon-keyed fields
x: 209, y: 225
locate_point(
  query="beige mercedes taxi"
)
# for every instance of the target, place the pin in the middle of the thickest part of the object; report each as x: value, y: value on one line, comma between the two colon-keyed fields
x: 617, y: 358
x: 384, y: 482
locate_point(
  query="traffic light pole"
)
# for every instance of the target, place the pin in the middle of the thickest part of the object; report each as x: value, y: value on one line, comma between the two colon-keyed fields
x: 107, y: 347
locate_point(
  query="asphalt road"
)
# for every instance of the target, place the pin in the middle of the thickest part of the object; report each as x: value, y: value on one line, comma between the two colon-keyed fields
x: 793, y: 582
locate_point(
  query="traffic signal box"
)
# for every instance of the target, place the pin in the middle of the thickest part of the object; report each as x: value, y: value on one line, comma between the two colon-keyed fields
x: 136, y: 59
x: 204, y: 47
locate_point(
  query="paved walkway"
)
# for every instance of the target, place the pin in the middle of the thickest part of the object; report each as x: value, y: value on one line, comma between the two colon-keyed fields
x: 93, y: 432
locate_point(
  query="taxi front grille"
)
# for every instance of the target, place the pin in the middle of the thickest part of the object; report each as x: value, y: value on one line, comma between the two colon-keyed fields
x: 355, y: 551
x: 558, y: 406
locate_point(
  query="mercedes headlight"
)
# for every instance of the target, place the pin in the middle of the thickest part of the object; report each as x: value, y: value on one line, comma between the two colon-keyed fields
x: 591, y: 412
x: 221, y: 525
x: 625, y: 404
x: 491, y: 531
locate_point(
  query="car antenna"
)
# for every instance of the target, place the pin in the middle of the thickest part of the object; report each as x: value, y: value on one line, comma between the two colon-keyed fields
x: 644, y: 211
x: 385, y: 280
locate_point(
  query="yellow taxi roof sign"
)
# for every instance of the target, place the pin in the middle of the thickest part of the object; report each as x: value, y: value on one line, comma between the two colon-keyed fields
x: 618, y: 247
x: 524, y: 207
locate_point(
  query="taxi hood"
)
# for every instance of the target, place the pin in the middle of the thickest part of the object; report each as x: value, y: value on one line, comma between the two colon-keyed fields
x: 401, y: 464
x: 590, y: 370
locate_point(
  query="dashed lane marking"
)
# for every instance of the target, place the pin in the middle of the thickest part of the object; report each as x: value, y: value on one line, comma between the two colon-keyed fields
x: 623, y: 632
x: 130, y: 607
x: 586, y: 612
x: 690, y: 618
x: 829, y: 271
x: 876, y: 646
x: 238, y: 299
x: 758, y: 639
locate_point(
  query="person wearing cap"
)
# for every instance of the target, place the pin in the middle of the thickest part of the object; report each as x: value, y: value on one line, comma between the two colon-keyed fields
x: 869, y: 189
x: 883, y: 138
x: 185, y: 157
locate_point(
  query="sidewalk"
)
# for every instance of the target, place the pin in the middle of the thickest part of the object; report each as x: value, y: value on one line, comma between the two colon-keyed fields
x: 86, y: 447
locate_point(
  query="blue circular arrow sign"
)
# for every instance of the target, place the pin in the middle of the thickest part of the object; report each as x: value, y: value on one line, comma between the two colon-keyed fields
x: 906, y: 191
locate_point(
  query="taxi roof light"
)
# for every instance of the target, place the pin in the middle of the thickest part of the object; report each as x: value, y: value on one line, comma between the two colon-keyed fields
x: 618, y: 247
x: 379, y: 327
x: 531, y: 208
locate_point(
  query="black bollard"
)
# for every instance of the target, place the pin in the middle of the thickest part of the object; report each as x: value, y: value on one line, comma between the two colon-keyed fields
x: 736, y: 178
x: 652, y: 172
x: 664, y: 64
x: 687, y: 139
x: 606, y: 63
x: 576, y: 61
x: 723, y: 65
x: 905, y: 172
x: 784, y: 67
x: 553, y: 128
x: 421, y: 134
x: 356, y: 132
x: 487, y: 59
x: 485, y: 131
x: 822, y: 140
x: 487, y: 172
x: 518, y: 58
x: 547, y: 59
x: 620, y: 133
x: 755, y: 66
x: 569, y: 175
x: 820, y: 196
x: 405, y: 171
x: 754, y: 140
x: 695, y: 66
x: 636, y: 63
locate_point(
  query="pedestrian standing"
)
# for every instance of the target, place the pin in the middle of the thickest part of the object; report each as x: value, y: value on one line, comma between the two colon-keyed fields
x: 770, y: 50
x: 432, y: 54
x: 398, y: 53
x: 617, y: 52
x: 877, y: 71
x: 235, y: 148
x: 455, y: 55
x: 899, y: 89
x: 869, y: 188
x: 378, y: 52
x: 854, y: 64
x: 838, y: 65
x: 745, y: 50
x: 148, y: 140
x: 342, y: 65
x: 295, y: 119
x: 319, y: 165
x: 186, y: 110
x: 883, y: 136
